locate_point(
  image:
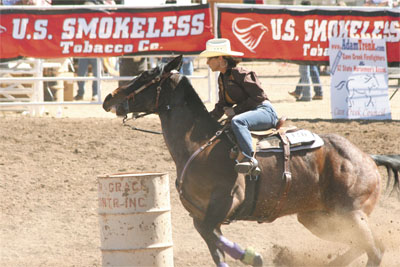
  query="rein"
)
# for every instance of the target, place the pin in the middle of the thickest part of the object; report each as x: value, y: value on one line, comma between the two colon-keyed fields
x: 125, y: 119
x: 179, y: 182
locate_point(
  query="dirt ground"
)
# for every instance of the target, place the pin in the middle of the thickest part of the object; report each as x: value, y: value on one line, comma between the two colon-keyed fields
x: 48, y: 189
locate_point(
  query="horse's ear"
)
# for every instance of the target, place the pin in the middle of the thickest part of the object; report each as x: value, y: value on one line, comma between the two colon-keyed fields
x: 174, y: 64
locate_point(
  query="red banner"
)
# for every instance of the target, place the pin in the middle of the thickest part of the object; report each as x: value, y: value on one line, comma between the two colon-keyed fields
x: 99, y: 32
x: 302, y: 34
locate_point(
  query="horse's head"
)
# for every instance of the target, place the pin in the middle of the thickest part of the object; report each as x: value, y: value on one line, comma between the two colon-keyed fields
x: 143, y: 91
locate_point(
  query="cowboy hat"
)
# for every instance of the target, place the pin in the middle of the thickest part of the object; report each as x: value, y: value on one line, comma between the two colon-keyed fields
x: 219, y: 47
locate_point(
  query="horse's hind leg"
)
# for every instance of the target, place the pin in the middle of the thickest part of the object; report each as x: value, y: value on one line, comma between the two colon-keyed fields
x: 351, y: 228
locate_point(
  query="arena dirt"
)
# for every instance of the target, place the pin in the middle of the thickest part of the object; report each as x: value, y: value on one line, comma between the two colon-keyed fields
x: 48, y: 194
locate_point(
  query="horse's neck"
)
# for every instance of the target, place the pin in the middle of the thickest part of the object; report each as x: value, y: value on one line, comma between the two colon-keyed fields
x: 184, y: 133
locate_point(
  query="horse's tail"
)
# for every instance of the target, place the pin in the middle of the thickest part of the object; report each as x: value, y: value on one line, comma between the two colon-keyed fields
x: 392, y: 164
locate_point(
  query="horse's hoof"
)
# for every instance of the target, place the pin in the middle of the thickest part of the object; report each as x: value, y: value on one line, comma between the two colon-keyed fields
x: 252, y: 258
x: 258, y: 261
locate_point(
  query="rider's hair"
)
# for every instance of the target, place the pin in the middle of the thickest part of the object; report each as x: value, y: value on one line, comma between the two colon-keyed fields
x: 232, y: 61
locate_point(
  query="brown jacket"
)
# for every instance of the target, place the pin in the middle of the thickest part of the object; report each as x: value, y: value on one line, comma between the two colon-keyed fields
x: 238, y: 88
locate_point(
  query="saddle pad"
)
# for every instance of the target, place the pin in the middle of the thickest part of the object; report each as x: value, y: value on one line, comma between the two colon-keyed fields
x: 299, y: 140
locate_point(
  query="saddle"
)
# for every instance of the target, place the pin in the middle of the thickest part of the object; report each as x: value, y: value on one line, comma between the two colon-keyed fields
x: 282, y: 140
x: 299, y: 139
x: 276, y: 139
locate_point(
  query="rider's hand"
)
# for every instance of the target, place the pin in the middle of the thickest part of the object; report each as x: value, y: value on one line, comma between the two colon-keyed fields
x: 229, y: 111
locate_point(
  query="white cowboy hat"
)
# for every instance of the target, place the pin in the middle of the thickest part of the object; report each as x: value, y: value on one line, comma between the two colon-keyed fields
x: 219, y: 47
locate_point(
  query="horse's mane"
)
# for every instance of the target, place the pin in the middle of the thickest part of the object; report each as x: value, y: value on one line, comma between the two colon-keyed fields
x: 197, y: 108
x: 193, y: 100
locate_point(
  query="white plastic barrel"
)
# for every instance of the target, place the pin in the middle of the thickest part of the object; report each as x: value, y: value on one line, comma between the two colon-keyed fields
x: 135, y: 219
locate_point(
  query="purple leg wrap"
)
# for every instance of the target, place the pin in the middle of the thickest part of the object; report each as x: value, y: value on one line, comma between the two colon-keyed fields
x: 223, y: 264
x: 232, y: 249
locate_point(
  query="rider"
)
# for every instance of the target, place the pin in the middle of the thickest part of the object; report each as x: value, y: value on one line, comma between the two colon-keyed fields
x: 241, y: 97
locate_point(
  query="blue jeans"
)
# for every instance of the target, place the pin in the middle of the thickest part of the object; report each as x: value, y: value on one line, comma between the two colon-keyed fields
x: 307, y: 71
x: 187, y: 66
x: 262, y: 117
x: 83, y: 66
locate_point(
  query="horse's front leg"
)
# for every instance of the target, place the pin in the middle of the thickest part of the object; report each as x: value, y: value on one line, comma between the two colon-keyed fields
x: 211, y: 237
x: 218, y: 245
x: 220, y: 204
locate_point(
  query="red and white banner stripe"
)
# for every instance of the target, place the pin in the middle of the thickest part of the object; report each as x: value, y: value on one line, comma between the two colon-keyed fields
x: 300, y: 33
x: 99, y: 32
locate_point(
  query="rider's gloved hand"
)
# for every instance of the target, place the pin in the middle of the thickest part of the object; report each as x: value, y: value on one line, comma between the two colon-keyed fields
x: 229, y: 111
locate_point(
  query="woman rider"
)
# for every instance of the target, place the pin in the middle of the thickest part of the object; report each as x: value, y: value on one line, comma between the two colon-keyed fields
x: 241, y: 97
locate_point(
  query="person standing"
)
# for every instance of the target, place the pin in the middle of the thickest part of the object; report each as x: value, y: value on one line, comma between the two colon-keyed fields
x: 187, y: 66
x: 307, y: 73
x: 131, y: 66
x: 83, y: 69
x: 303, y: 89
x: 241, y: 98
x: 83, y: 63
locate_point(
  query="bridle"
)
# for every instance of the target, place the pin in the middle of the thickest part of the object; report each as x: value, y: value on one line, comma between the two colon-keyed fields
x: 158, y: 79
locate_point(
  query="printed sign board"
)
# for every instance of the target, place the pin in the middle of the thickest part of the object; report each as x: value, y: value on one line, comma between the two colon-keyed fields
x: 301, y: 33
x: 101, y: 32
x: 359, y: 79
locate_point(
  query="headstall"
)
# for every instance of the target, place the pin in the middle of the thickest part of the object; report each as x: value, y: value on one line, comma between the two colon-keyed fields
x: 159, y: 79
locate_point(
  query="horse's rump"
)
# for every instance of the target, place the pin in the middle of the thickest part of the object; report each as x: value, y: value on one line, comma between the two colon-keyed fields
x: 318, y: 176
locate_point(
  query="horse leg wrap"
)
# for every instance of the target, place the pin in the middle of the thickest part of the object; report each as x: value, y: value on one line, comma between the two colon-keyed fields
x: 232, y: 249
x: 251, y: 257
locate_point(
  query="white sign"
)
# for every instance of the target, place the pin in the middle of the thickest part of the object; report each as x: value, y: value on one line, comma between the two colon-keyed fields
x: 359, y: 79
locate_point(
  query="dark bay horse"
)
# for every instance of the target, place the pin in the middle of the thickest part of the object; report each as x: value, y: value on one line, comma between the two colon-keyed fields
x: 334, y: 187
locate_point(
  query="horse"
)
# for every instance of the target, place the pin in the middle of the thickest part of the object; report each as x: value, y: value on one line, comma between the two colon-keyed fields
x: 333, y: 188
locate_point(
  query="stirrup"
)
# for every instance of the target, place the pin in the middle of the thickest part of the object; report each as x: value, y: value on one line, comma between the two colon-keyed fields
x: 247, y: 168
x: 255, y: 171
x: 244, y: 167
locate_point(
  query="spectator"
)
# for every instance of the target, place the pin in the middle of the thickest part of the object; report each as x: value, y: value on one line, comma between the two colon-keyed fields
x: 131, y: 67
x: 187, y: 66
x: 303, y: 91
x: 83, y: 63
x: 83, y: 69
